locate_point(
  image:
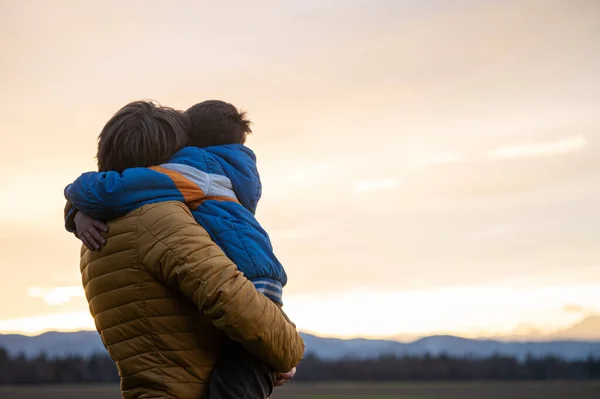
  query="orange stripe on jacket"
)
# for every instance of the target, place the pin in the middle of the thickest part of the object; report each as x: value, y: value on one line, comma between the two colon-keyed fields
x: 195, y: 204
x: 190, y: 191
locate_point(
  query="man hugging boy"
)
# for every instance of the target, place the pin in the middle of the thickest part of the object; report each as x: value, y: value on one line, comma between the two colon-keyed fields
x: 217, y: 177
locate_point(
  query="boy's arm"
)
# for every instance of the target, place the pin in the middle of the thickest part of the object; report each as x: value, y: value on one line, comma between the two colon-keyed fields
x: 89, y: 231
x: 107, y: 195
x: 181, y: 254
x: 70, y: 212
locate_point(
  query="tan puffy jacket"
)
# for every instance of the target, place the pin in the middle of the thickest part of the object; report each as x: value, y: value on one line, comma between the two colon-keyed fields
x: 161, y: 292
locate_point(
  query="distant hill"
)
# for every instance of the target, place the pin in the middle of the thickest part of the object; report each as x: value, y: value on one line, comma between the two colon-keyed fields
x: 88, y: 342
x: 331, y: 348
x: 54, y: 343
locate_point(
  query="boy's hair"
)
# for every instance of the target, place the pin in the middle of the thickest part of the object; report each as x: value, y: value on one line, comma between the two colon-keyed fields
x: 215, y: 122
x: 141, y: 134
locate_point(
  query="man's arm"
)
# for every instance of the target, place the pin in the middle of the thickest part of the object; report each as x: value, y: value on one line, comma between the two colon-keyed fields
x: 107, y: 195
x: 180, y: 253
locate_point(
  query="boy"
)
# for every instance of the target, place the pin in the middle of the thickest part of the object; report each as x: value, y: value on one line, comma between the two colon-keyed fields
x: 217, y: 178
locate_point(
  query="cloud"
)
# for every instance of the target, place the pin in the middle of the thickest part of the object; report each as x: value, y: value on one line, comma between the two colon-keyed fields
x: 376, y: 184
x: 571, y: 308
x: 533, y: 150
x: 56, y: 295
x: 469, y: 311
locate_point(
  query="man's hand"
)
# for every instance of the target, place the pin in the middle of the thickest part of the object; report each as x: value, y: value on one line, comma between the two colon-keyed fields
x: 283, y: 378
x: 90, y: 231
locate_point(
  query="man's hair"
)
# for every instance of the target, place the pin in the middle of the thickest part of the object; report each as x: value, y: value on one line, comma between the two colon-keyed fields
x: 141, y: 134
x: 215, y: 122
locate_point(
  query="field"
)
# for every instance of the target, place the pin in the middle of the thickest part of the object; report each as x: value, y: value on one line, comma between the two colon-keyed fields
x: 473, y: 390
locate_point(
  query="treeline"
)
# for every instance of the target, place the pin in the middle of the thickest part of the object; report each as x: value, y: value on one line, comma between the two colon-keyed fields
x: 392, y: 368
x: 66, y: 370
x: 101, y: 369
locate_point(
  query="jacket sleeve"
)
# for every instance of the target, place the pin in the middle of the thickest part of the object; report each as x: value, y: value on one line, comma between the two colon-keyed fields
x: 108, y: 195
x: 70, y: 212
x: 180, y: 253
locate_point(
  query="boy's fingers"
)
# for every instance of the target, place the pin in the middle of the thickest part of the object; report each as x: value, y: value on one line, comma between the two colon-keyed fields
x: 97, y: 236
x: 100, y: 226
x: 91, y: 240
x: 86, y: 243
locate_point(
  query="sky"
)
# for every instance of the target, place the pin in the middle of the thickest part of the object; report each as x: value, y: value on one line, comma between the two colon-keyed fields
x: 429, y: 167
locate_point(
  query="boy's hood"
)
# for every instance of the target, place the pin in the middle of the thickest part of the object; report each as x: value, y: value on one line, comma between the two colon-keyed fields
x: 238, y: 163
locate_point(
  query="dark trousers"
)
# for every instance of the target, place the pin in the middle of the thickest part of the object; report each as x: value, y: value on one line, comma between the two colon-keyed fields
x: 240, y: 375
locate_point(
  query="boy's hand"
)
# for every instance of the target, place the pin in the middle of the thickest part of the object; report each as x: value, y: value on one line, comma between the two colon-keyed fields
x: 90, y: 231
x: 283, y: 378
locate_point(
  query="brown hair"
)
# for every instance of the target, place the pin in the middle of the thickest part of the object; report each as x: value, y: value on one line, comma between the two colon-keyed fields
x: 141, y: 134
x: 215, y: 122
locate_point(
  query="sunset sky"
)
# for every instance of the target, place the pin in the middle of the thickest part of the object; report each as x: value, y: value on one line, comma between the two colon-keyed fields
x: 428, y: 166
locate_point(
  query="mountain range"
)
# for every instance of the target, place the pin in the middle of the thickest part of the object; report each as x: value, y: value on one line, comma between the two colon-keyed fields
x: 85, y: 343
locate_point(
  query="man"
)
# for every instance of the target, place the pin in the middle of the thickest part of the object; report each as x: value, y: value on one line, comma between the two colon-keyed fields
x: 160, y: 289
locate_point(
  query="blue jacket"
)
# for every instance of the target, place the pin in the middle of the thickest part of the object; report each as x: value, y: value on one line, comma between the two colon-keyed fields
x: 220, y: 184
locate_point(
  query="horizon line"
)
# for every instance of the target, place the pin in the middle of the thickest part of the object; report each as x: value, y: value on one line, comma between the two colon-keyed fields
x: 506, y: 339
